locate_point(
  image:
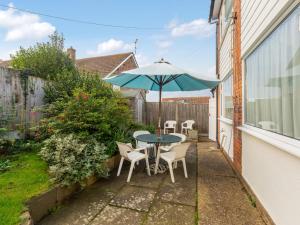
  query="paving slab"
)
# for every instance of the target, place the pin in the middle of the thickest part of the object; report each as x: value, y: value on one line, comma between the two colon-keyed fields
x: 132, y: 197
x: 143, y: 180
x: 88, y: 203
x: 221, y: 196
x: 212, y: 162
x: 171, y: 214
x: 118, y: 216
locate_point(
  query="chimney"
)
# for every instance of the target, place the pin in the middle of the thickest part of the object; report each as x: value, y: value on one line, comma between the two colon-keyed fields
x: 71, y: 52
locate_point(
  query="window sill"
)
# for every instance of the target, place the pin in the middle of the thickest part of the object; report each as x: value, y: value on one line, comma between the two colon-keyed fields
x: 225, y: 120
x: 286, y: 144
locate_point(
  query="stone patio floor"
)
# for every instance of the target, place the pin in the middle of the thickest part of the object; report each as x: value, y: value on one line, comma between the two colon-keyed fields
x: 211, y: 195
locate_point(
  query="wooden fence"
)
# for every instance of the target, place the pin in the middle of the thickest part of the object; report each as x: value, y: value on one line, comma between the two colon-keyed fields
x: 20, y: 96
x: 179, y: 112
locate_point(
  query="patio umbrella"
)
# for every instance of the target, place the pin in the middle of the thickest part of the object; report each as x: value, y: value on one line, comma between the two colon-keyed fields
x: 161, y: 76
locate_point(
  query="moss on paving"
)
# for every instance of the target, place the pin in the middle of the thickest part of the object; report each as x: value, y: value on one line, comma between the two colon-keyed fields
x: 27, y: 177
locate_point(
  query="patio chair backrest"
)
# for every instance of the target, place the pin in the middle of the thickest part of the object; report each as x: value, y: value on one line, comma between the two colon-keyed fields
x: 180, y: 150
x: 170, y: 124
x: 189, y: 123
x: 182, y: 136
x: 124, y: 149
x: 140, y: 132
x: 137, y: 133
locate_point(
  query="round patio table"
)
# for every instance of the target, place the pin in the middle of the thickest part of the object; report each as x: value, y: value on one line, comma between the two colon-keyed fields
x: 158, y: 140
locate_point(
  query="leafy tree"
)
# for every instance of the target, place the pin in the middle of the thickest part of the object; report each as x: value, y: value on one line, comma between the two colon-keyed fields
x: 44, y: 60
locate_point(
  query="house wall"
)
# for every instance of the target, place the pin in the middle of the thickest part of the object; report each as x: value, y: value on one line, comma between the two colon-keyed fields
x: 269, y: 163
x: 225, y: 66
x: 271, y: 170
x: 273, y: 175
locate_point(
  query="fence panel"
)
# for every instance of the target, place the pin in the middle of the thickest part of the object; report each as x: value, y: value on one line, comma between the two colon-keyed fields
x: 179, y: 112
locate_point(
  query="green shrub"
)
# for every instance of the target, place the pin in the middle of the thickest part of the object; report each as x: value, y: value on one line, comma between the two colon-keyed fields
x: 4, y: 165
x: 71, y: 160
x: 44, y: 60
x: 92, y: 110
x: 6, y: 145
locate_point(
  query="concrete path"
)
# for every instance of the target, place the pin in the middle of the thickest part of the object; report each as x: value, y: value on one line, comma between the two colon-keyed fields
x: 145, y: 200
x: 155, y: 200
x: 221, y: 197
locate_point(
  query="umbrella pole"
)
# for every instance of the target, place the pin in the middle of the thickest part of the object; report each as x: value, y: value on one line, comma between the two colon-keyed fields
x: 159, y: 111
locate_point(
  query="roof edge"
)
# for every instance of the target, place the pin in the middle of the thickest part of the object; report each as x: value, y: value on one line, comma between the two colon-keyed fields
x: 125, y: 53
x: 215, y: 7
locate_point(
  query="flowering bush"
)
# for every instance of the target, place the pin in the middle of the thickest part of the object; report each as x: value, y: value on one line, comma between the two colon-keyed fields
x: 72, y: 160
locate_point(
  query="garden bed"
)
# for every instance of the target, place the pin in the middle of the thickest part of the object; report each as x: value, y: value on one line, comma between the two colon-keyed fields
x: 43, y: 204
x: 26, y: 177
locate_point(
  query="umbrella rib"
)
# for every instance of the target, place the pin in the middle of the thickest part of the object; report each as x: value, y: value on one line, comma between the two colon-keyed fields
x: 130, y: 80
x: 172, y: 78
x: 152, y: 79
x: 178, y: 84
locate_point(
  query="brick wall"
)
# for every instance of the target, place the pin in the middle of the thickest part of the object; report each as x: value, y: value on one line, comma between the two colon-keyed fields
x: 237, y: 87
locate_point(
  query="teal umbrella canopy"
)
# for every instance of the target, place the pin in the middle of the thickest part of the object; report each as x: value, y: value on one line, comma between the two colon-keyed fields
x: 161, y: 76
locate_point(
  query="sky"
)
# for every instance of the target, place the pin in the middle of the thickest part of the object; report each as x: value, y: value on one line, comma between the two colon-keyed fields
x: 175, y: 30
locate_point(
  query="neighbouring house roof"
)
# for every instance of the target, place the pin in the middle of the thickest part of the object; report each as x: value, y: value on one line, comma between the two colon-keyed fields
x: 215, y: 6
x: 193, y: 100
x: 105, y: 65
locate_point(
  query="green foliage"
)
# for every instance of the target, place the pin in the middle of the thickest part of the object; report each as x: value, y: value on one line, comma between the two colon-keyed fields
x: 4, y: 165
x: 44, y: 60
x: 65, y: 82
x: 71, y: 160
x: 6, y: 145
x: 90, y: 109
x: 26, y: 177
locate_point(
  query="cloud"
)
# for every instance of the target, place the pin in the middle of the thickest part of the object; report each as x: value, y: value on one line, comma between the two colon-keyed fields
x: 164, y: 44
x: 199, y: 28
x: 22, y: 25
x: 110, y: 46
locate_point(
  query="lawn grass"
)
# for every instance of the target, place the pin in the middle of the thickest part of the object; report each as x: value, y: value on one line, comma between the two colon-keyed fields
x: 26, y: 177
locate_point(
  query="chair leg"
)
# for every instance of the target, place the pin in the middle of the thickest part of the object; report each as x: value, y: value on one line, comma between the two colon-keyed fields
x: 120, y: 166
x: 171, y: 172
x: 147, y: 165
x: 175, y: 165
x: 130, y: 170
x: 154, y: 150
x: 184, y: 168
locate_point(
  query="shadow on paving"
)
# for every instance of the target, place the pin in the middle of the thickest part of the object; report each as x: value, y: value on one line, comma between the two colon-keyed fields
x: 145, y: 200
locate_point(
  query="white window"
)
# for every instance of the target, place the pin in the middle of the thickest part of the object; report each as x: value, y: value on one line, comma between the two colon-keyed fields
x: 227, y: 98
x: 272, y: 80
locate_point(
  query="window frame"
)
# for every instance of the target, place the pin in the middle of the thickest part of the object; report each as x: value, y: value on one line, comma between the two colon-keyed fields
x: 265, y: 35
x: 223, y: 102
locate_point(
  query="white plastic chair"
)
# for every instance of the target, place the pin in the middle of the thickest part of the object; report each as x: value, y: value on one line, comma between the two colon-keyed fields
x: 140, y: 144
x: 133, y: 156
x: 168, y: 147
x: 176, y: 153
x: 187, y: 125
x: 170, y: 124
